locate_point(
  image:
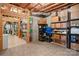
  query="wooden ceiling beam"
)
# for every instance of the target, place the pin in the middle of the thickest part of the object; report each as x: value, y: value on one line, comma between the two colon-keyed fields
x: 27, y: 5
x: 15, y: 4
x: 34, y: 6
x: 48, y: 7
x: 64, y: 7
x: 42, y: 7
x: 57, y: 7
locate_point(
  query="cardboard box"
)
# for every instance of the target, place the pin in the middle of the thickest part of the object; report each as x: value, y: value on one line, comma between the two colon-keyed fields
x: 63, y: 25
x: 57, y: 25
x: 75, y: 11
x: 75, y: 15
x: 42, y: 21
x: 75, y: 23
x: 55, y: 36
x: 53, y: 25
x: 55, y: 19
x: 63, y: 38
x: 75, y: 8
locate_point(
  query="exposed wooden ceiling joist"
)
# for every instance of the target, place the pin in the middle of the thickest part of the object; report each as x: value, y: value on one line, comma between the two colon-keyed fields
x: 61, y: 7
x: 48, y: 7
x: 22, y: 5
x: 26, y: 5
x: 65, y: 7
x: 43, y: 7
x: 34, y: 6
x: 57, y: 7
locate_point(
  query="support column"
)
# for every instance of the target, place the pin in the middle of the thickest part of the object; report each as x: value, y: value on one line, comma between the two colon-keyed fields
x: 28, y: 30
x: 69, y: 29
x: 1, y: 32
x: 19, y: 33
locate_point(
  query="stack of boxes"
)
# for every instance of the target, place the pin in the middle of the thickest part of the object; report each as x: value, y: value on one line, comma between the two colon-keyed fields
x: 75, y: 15
x: 55, y: 37
x: 62, y: 16
x: 74, y: 11
x: 42, y: 21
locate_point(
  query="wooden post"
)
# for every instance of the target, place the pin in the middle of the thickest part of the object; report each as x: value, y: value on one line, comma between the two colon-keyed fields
x: 19, y: 33
x: 28, y: 30
x: 1, y: 33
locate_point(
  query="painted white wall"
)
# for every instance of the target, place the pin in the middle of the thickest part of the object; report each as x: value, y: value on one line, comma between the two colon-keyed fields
x: 35, y: 28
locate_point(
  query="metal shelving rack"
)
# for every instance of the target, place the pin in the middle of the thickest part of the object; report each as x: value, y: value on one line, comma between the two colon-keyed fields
x: 60, y: 28
x: 74, y: 34
x: 68, y: 28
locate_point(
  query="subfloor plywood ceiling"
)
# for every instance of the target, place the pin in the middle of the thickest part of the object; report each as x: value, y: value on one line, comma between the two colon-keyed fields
x: 44, y: 7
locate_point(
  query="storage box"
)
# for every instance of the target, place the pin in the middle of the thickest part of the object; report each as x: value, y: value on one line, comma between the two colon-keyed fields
x: 75, y: 11
x: 57, y: 25
x: 63, y: 38
x: 42, y: 21
x: 55, y: 19
x: 75, y: 8
x: 55, y: 36
x: 75, y: 15
x: 53, y: 25
x: 75, y: 23
x: 63, y: 25
x: 74, y: 31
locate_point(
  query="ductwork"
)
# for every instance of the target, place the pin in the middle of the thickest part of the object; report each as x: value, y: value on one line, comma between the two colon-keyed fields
x: 41, y: 14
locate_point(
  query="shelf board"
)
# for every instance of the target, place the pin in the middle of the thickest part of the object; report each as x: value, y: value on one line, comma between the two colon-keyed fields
x: 73, y: 19
x: 59, y: 22
x: 59, y: 34
x: 74, y: 34
x: 74, y: 26
x: 60, y: 28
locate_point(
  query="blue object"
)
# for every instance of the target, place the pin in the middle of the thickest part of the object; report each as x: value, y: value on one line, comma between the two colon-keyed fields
x: 49, y: 30
x: 73, y: 39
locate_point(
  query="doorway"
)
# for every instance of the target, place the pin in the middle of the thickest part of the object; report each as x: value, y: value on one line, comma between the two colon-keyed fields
x: 10, y: 35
